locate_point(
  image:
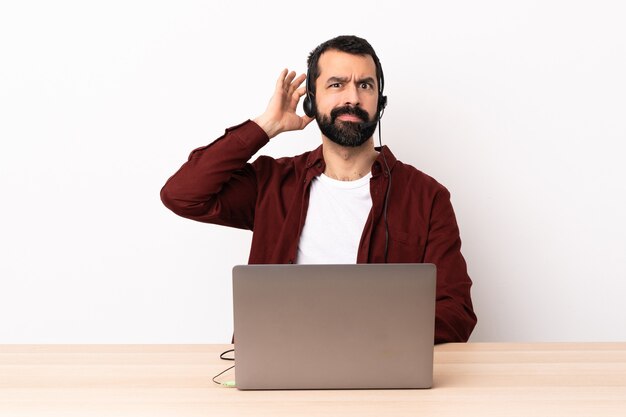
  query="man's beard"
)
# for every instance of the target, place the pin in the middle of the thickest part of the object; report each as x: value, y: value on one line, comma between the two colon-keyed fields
x: 349, y: 134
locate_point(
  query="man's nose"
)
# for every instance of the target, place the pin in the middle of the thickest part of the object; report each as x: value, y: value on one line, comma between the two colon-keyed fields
x: 352, y: 97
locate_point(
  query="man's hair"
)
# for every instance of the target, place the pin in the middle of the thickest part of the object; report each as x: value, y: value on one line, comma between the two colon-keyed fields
x: 346, y: 43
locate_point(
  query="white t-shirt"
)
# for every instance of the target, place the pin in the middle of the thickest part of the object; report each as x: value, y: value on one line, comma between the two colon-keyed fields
x: 335, y: 220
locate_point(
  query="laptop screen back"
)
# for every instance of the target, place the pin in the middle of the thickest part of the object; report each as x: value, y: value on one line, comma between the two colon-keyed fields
x: 334, y: 326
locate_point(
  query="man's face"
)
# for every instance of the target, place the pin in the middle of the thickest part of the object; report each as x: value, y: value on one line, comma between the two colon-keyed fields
x: 346, y: 96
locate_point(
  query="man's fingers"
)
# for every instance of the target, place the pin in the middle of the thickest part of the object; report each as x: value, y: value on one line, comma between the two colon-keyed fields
x: 300, y: 91
x: 281, y: 79
x: 299, y: 80
x: 289, y: 79
x: 296, y: 83
x: 287, y: 82
x: 296, y: 95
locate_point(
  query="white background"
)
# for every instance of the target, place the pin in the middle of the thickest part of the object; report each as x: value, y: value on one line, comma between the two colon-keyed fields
x: 517, y: 107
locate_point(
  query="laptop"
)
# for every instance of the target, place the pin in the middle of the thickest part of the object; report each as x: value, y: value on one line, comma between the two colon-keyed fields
x: 359, y: 326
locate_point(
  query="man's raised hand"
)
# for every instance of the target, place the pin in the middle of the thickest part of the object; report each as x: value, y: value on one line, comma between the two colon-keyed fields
x: 280, y: 114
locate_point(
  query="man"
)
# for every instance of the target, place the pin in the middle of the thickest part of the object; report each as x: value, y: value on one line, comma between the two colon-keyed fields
x: 344, y: 202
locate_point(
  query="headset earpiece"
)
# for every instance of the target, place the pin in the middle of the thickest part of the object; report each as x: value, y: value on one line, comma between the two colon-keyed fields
x: 308, y: 105
x: 382, y: 102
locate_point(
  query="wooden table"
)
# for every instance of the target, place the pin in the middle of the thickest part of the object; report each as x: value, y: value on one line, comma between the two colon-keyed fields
x: 475, y: 379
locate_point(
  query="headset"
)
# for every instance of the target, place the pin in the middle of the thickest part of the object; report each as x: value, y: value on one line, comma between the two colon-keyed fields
x: 308, y: 105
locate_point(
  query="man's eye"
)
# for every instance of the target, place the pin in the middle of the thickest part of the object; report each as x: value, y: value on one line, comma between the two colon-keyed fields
x: 335, y: 85
x: 366, y: 86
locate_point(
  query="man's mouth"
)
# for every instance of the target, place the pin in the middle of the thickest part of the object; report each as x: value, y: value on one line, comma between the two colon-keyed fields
x: 349, y: 118
x: 349, y: 115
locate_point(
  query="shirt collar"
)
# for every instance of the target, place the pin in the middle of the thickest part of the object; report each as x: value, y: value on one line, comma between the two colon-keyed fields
x: 315, y: 161
x: 385, y: 159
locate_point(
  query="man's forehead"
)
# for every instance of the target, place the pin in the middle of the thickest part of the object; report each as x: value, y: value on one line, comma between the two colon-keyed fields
x: 333, y: 63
